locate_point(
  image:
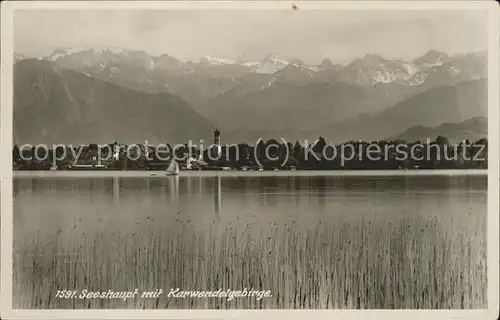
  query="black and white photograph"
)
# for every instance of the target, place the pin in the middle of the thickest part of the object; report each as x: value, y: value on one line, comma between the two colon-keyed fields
x: 217, y: 157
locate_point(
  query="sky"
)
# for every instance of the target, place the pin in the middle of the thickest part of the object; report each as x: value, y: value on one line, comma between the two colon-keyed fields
x: 302, y: 34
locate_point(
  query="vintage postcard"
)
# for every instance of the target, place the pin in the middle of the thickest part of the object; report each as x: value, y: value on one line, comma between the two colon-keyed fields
x: 234, y: 160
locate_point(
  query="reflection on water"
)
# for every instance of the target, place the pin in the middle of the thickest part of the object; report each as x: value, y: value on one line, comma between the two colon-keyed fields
x: 200, y: 198
x: 116, y: 189
x: 217, y: 194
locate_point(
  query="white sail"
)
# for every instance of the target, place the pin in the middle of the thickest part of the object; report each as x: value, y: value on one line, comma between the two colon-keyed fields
x: 173, y: 168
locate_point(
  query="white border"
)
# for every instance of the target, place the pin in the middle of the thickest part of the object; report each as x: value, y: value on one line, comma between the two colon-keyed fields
x: 6, y: 95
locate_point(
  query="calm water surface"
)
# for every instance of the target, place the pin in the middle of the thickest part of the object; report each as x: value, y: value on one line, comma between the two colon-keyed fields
x: 57, y: 202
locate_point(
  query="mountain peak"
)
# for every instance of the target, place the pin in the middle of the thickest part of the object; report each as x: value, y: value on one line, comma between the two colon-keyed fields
x: 112, y: 50
x: 59, y: 53
x: 326, y: 63
x: 269, y: 57
x: 369, y: 60
x: 166, y: 57
x: 432, y: 58
x: 215, y: 60
x: 298, y: 63
x: 435, y: 54
x: 289, y: 67
x: 63, y: 52
x: 272, y: 58
x: 167, y: 61
x: 19, y: 56
x: 374, y: 58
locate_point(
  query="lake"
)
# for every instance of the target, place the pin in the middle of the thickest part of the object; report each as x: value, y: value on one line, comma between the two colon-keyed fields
x: 314, y: 240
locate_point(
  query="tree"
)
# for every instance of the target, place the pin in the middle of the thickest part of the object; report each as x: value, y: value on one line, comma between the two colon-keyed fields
x: 320, y: 145
x: 442, y: 141
x: 15, y: 154
x: 298, y: 150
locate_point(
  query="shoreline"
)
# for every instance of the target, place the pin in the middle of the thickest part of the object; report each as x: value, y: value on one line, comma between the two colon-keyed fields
x: 237, y: 173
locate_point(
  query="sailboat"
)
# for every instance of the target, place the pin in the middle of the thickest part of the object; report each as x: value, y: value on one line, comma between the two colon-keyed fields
x: 173, y: 168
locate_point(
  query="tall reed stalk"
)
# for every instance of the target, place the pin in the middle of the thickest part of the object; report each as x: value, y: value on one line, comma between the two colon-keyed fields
x: 353, y: 261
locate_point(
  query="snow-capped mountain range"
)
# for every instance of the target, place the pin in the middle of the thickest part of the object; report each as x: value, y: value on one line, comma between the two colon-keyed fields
x: 371, y: 97
x: 368, y: 70
x: 213, y: 86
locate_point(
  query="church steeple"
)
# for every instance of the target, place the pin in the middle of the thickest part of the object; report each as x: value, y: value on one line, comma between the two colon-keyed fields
x: 217, y: 137
x: 217, y: 142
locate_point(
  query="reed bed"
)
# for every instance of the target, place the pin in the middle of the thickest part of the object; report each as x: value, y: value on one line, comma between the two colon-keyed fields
x: 353, y: 261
